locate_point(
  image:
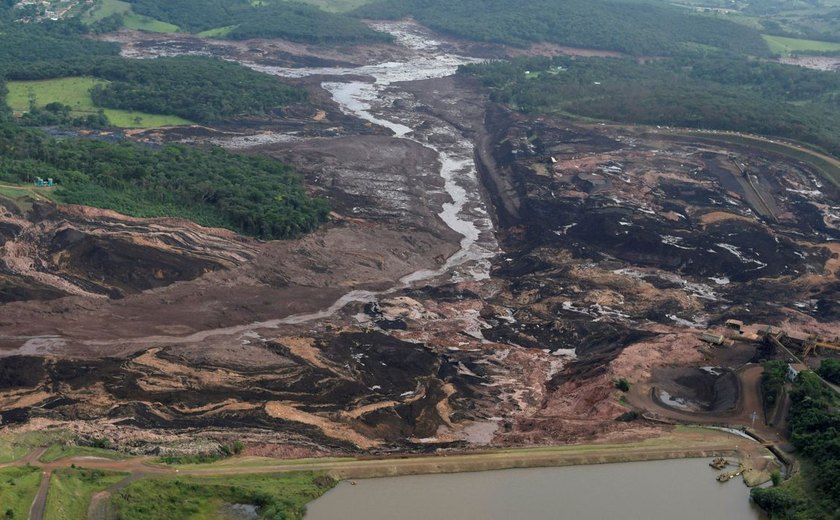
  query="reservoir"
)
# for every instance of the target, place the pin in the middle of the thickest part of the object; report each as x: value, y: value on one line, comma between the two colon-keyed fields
x: 659, y: 490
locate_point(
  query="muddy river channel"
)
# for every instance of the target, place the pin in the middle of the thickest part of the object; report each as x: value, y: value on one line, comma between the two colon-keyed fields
x: 660, y: 490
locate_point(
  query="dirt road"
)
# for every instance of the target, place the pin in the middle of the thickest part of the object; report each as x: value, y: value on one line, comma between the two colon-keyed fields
x: 39, y: 505
x: 98, y: 508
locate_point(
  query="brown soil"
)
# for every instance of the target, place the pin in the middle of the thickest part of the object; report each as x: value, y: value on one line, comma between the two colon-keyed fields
x: 619, y: 246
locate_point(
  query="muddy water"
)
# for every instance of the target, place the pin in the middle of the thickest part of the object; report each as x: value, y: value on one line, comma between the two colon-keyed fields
x: 381, y: 101
x: 662, y: 490
x: 384, y: 103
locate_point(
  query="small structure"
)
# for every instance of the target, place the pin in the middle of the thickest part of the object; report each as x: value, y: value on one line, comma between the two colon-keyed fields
x: 41, y: 183
x: 793, y: 370
x: 734, y: 325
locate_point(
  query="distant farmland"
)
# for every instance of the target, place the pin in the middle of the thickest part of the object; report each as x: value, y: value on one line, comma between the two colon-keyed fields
x: 75, y: 92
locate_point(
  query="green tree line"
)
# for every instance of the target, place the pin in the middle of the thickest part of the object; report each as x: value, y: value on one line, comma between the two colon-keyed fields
x: 280, y: 19
x: 814, y: 424
x: 637, y: 28
x: 708, y: 91
x: 252, y: 195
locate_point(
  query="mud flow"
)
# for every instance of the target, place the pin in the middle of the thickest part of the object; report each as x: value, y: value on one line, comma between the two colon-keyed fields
x: 486, y: 278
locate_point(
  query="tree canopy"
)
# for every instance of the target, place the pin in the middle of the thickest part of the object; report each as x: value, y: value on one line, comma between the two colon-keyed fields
x: 252, y: 195
x: 637, y: 28
x: 271, y: 19
x: 708, y: 91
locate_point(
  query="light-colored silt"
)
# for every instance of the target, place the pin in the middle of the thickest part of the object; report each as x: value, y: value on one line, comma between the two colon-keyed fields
x: 466, y: 213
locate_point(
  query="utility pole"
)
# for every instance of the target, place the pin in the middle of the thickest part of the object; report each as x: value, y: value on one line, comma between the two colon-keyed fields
x: 753, y: 416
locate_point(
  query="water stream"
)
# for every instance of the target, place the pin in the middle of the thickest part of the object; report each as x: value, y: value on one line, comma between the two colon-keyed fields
x: 466, y: 214
x: 373, y: 101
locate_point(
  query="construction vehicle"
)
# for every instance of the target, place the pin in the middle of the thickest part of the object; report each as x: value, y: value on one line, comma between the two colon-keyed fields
x: 726, y: 477
x: 720, y: 463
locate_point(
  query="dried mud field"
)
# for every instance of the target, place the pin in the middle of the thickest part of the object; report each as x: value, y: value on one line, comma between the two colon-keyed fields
x: 485, y: 279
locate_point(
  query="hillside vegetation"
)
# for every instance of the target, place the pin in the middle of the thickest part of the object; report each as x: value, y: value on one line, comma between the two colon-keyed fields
x: 277, y: 496
x: 27, y: 44
x: 243, y: 19
x: 630, y: 27
x: 252, y: 195
x: 194, y: 88
x: 702, y: 91
x: 814, y: 424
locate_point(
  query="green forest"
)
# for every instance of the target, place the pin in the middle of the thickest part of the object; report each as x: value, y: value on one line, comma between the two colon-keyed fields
x: 706, y: 91
x: 252, y: 195
x: 56, y: 42
x: 635, y: 28
x: 814, y: 424
x: 195, y: 88
x: 290, y: 20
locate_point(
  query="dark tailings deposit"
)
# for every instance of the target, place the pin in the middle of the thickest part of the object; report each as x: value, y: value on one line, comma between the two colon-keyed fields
x: 485, y: 280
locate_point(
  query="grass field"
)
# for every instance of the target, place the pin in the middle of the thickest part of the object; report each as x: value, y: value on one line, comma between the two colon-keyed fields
x: 75, y: 92
x: 18, y: 487
x: 72, y: 488
x: 782, y: 45
x: 144, y: 23
x: 13, y: 447
x: 9, y: 450
x: 105, y: 8
x: 279, y: 496
x: 258, y: 462
x: 60, y: 451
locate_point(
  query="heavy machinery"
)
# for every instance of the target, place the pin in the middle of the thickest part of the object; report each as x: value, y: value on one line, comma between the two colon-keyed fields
x: 738, y: 331
x: 832, y: 345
